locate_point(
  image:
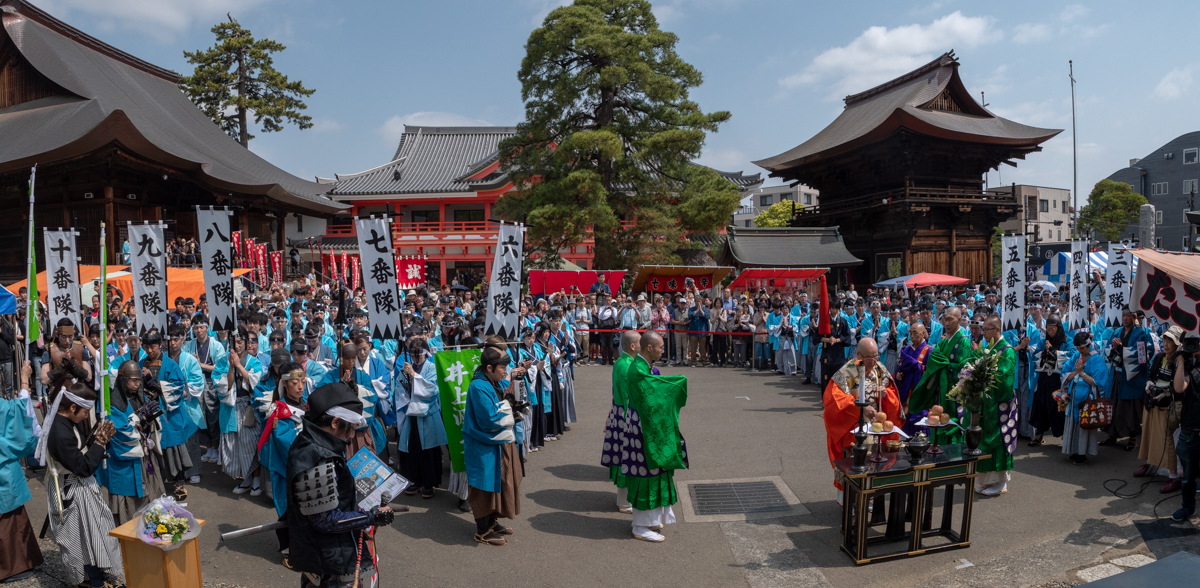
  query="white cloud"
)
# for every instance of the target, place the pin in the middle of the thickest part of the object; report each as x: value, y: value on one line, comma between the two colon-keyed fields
x: 1030, y: 33
x: 1073, y: 12
x: 161, y: 19
x: 1176, y: 83
x: 996, y: 82
x: 393, y: 128
x: 323, y: 124
x: 543, y: 8
x: 880, y: 53
x: 1036, y: 113
x: 727, y: 160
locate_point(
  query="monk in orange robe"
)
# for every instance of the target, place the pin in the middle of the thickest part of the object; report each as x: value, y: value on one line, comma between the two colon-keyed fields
x: 841, y: 415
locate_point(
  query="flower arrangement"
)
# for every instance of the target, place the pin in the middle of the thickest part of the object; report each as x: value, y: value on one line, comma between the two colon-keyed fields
x: 165, y: 524
x: 975, y: 381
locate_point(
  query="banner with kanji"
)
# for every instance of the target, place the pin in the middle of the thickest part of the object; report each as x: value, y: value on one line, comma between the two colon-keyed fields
x: 1078, y: 308
x: 344, y: 271
x: 149, y: 268
x: 329, y: 264
x: 62, y: 278
x: 215, y: 249
x: 410, y: 271
x: 375, y: 252
x: 505, y: 285
x: 454, y: 372
x: 262, y: 265
x: 1165, y: 297
x: 1012, y: 285
x: 1116, y: 287
x: 677, y: 283
x: 276, y: 267
x: 236, y: 240
x: 248, y: 259
x: 355, y: 273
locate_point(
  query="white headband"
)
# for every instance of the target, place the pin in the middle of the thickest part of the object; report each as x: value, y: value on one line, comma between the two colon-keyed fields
x: 41, y: 451
x: 88, y: 404
x: 347, y: 415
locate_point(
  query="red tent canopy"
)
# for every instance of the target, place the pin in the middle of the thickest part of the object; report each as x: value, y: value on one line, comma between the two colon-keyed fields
x: 924, y: 279
x: 749, y: 278
x: 550, y: 281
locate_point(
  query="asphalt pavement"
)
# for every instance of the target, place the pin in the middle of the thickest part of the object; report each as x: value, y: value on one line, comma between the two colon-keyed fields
x: 1056, y: 518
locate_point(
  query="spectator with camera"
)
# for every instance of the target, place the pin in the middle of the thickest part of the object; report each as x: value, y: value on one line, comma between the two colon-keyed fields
x: 1187, y: 445
x: 1160, y: 414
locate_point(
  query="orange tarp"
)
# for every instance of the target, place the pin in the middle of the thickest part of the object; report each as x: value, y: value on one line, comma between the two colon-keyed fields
x: 181, y: 282
x: 87, y: 273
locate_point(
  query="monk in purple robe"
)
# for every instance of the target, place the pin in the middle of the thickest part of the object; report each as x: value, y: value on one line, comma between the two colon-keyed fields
x: 910, y: 367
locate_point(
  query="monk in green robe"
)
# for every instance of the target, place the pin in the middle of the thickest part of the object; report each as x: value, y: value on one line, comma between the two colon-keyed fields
x: 614, y: 429
x: 658, y: 448
x: 948, y: 357
x: 998, y: 415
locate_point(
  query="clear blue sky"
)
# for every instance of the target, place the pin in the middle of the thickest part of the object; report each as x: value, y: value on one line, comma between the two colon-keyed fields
x: 780, y: 66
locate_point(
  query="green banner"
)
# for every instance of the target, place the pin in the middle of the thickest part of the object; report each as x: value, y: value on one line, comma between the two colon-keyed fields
x: 454, y: 372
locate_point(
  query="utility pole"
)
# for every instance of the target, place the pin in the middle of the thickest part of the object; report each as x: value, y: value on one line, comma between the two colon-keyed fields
x: 1074, y: 157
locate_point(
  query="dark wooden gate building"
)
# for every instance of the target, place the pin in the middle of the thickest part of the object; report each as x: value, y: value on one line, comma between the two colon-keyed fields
x: 900, y: 173
x: 116, y: 140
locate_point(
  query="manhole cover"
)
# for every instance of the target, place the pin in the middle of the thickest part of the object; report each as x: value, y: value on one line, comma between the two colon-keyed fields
x: 737, y: 498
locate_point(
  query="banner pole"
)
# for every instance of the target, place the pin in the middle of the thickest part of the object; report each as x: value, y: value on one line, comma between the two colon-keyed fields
x: 103, y: 350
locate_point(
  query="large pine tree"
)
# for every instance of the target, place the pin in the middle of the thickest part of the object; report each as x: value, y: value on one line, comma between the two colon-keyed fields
x: 236, y: 78
x: 610, y: 135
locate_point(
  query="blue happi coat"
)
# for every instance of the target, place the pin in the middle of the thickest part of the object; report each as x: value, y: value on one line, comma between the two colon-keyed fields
x: 485, y: 429
x: 121, y: 471
x: 227, y: 416
x: 424, y: 405
x: 177, y: 425
x: 16, y: 441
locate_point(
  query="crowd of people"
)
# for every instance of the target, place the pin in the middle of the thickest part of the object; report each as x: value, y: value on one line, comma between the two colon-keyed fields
x: 302, y: 375
x: 244, y: 400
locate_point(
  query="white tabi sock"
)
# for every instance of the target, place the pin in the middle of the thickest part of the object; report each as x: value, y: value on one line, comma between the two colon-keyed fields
x: 623, y: 499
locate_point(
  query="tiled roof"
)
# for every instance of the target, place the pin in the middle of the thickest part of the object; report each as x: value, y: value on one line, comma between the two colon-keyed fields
x: 786, y: 247
x: 906, y: 101
x: 429, y: 160
x: 109, y: 96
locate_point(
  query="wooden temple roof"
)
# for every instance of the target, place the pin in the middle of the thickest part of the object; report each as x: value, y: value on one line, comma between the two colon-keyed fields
x: 930, y: 100
x: 90, y: 95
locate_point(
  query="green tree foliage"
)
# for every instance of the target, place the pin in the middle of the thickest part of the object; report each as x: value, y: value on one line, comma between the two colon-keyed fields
x: 609, y: 136
x: 236, y: 79
x: 1112, y: 206
x: 778, y: 215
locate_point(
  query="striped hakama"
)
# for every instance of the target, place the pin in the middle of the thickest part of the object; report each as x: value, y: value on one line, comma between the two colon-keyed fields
x: 81, y: 528
x: 239, y: 450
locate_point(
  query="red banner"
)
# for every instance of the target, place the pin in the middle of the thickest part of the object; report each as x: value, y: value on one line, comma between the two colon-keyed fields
x: 345, y: 267
x: 276, y: 267
x: 549, y: 281
x: 248, y: 258
x: 262, y: 265
x: 356, y: 272
x: 331, y: 266
x: 410, y: 272
x: 677, y: 283
x: 236, y: 238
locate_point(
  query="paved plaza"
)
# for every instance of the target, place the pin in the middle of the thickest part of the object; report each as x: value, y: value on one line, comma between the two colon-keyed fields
x: 1056, y: 525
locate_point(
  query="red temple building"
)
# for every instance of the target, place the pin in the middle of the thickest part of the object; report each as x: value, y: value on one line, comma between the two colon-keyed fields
x: 441, y: 186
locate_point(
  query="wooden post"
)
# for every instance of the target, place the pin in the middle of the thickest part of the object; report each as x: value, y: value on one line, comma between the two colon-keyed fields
x: 114, y: 252
x: 953, y: 248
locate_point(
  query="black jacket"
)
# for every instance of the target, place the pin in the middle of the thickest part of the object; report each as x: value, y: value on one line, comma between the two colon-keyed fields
x: 313, y: 550
x: 7, y: 340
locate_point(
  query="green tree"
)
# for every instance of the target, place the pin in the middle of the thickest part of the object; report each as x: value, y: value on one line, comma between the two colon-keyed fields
x: 778, y: 215
x: 236, y: 78
x: 609, y: 136
x: 1112, y: 206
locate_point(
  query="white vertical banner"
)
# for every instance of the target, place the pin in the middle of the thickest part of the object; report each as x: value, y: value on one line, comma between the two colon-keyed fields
x: 62, y: 279
x: 148, y: 265
x: 215, y: 248
x: 1012, y: 287
x: 378, y: 274
x: 1116, y: 287
x: 1078, y: 307
x: 503, y: 309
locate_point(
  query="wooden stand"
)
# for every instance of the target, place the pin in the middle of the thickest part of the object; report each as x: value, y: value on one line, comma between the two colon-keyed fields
x: 147, y: 566
x: 903, y: 503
